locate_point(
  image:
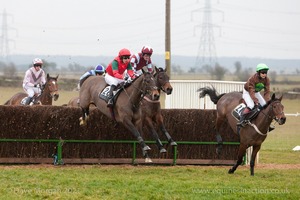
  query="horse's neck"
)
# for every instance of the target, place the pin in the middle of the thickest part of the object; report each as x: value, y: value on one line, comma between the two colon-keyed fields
x: 45, y: 98
x: 136, y: 91
x: 264, y: 118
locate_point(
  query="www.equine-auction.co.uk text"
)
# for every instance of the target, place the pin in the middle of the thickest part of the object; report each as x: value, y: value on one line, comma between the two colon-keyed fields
x: 240, y: 190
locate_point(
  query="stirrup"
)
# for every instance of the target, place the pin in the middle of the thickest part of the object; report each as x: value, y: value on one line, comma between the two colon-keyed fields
x: 242, y: 123
x: 110, y: 103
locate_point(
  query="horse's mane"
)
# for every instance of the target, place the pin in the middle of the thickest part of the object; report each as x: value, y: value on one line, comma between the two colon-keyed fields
x: 273, y: 99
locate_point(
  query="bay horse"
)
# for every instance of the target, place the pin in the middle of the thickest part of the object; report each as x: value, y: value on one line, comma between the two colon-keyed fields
x: 255, y: 132
x: 74, y: 102
x: 151, y: 110
x: 126, y: 109
x: 49, y: 92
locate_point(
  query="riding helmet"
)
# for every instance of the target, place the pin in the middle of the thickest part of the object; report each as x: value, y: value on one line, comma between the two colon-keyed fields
x: 99, y: 69
x: 124, y: 52
x: 37, y: 61
x: 147, y: 50
x: 262, y: 66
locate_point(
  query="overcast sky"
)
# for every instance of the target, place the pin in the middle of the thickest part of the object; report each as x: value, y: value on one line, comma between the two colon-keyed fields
x: 249, y: 28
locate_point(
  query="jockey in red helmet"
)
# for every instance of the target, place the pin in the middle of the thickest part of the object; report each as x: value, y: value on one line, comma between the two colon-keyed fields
x: 115, y: 71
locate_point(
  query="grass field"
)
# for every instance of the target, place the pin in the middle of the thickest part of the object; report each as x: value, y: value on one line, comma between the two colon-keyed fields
x: 276, y: 175
x: 146, y: 182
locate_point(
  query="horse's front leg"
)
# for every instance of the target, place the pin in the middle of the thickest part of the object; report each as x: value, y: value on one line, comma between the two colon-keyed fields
x: 160, y: 122
x: 150, y: 127
x: 130, y: 126
x: 241, y: 153
x: 256, y: 148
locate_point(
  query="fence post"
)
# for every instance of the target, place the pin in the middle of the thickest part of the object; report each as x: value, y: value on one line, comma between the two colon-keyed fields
x: 59, y: 152
x: 175, y: 155
x: 134, y: 153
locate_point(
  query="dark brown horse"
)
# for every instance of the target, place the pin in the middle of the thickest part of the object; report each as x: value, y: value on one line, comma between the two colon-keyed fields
x: 151, y: 111
x: 126, y: 108
x: 255, y: 132
x: 49, y: 92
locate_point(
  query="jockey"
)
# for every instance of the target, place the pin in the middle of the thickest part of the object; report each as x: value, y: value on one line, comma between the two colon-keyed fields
x: 98, y: 71
x: 115, y: 72
x: 139, y: 60
x: 252, y: 88
x: 34, y: 79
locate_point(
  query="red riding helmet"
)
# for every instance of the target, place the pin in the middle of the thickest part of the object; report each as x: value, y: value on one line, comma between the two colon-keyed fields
x: 147, y: 50
x: 124, y: 52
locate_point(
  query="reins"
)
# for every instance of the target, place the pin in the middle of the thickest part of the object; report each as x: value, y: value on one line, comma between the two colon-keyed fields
x: 144, y: 93
x: 267, y: 115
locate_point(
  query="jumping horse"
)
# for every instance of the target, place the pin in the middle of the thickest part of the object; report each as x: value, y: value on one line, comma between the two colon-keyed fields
x: 49, y: 92
x: 151, y: 110
x: 252, y: 134
x: 74, y: 102
x: 126, y: 109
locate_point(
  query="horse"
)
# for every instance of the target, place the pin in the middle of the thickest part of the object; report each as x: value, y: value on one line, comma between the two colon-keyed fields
x: 151, y: 110
x: 252, y: 134
x: 74, y: 102
x: 49, y: 92
x: 126, y: 107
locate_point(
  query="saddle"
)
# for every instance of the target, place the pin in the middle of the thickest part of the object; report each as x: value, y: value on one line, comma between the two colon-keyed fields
x: 34, y: 100
x: 238, y: 110
x: 104, y: 93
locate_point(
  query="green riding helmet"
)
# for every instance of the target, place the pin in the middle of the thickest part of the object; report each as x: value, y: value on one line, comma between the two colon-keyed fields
x: 261, y: 66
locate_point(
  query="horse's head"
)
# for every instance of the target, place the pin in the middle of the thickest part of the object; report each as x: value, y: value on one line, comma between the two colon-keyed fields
x: 149, y: 86
x: 52, y: 86
x: 163, y: 80
x: 277, y: 109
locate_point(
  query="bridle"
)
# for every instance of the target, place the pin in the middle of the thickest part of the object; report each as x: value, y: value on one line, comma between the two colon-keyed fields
x: 146, y: 90
x: 271, y: 110
x: 161, y: 86
x: 52, y: 93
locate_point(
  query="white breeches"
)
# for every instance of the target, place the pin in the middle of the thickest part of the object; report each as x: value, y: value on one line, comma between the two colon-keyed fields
x: 30, y: 90
x: 250, y: 102
x: 110, y: 80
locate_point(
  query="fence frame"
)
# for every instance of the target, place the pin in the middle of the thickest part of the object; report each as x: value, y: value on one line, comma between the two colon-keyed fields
x: 60, y: 142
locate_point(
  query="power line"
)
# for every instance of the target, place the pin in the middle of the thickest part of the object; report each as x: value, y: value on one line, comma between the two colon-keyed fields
x: 207, y: 54
x: 5, y: 51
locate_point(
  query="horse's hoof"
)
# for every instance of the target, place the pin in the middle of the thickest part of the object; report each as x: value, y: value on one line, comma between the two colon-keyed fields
x: 162, y: 150
x: 230, y: 171
x: 82, y: 122
x: 173, y: 143
x: 148, y: 160
x: 146, y: 148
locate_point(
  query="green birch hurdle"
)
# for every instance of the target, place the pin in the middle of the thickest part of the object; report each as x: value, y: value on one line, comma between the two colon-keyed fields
x: 60, y: 142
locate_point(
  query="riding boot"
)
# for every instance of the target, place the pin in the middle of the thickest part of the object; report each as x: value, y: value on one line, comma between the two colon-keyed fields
x: 28, y: 100
x: 110, y: 96
x: 243, y: 116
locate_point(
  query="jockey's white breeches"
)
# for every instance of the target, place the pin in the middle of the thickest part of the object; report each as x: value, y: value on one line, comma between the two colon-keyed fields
x: 110, y: 80
x: 30, y: 90
x: 250, y: 102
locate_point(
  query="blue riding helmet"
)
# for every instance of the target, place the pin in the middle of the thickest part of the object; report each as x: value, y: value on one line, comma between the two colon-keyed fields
x: 99, y: 69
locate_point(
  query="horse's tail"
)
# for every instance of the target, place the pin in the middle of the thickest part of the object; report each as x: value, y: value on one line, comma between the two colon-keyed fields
x: 211, y: 92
